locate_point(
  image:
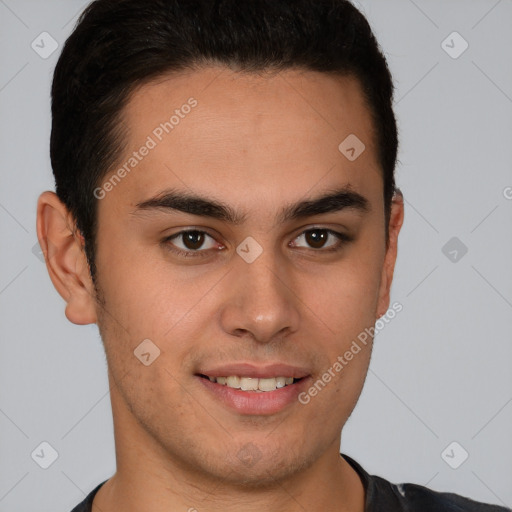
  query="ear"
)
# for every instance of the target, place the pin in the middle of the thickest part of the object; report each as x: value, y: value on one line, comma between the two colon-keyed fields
x: 65, y: 258
x: 396, y: 220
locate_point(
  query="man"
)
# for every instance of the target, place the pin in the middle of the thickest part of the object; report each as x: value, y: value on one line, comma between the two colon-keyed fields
x: 226, y: 212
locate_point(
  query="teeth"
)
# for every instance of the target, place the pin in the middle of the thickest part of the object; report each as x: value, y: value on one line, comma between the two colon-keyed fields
x: 280, y: 382
x: 248, y: 384
x: 267, y: 384
x: 232, y: 382
x: 253, y: 384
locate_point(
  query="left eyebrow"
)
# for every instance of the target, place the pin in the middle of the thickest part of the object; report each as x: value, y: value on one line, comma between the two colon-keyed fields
x: 333, y: 201
x: 179, y: 200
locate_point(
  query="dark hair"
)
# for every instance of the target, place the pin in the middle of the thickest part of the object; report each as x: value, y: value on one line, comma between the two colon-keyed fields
x: 118, y: 45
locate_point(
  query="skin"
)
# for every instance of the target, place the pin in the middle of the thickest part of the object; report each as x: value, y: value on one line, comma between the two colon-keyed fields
x: 256, y: 142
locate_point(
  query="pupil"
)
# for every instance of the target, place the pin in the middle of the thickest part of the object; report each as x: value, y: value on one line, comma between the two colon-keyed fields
x: 194, y: 239
x: 316, y: 238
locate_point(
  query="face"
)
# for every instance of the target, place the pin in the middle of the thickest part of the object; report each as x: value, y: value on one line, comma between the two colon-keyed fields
x: 268, y: 281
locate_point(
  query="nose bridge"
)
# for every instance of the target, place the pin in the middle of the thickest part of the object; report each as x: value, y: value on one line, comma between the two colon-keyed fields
x: 262, y: 302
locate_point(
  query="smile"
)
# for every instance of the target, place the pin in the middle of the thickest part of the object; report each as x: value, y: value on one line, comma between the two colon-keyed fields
x: 252, y: 395
x: 253, y: 384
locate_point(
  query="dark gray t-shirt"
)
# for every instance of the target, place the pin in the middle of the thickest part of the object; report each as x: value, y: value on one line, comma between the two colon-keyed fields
x: 384, y: 496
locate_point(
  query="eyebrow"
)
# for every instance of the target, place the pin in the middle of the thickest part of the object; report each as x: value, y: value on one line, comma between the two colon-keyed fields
x: 178, y: 200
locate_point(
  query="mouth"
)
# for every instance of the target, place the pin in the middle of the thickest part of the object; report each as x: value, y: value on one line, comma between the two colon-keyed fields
x: 252, y: 395
x: 253, y: 384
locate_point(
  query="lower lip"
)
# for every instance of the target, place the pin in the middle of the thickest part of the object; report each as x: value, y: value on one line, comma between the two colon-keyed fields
x: 251, y: 402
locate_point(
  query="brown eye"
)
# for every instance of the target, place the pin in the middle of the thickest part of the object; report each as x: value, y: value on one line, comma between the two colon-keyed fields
x: 317, y: 238
x: 189, y: 243
x: 193, y: 239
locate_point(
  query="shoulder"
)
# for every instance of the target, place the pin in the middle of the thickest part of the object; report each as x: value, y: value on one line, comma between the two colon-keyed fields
x: 86, y: 505
x: 417, y: 497
x: 384, y: 496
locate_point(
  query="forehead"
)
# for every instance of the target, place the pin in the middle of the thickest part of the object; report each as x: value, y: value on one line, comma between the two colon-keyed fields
x: 214, y: 126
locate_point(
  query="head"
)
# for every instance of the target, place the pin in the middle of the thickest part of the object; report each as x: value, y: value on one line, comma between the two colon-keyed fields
x: 266, y: 130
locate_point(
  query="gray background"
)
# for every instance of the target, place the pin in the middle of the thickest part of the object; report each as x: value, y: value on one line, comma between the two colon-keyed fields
x: 440, y: 371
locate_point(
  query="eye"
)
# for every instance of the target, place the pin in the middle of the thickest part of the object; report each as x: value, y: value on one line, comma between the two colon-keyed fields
x: 192, y: 241
x: 316, y: 238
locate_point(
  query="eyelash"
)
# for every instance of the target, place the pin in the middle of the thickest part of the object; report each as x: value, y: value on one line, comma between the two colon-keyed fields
x: 343, y: 240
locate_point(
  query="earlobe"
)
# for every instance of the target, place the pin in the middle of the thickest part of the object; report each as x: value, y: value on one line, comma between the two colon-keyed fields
x: 65, y: 258
x: 395, y: 224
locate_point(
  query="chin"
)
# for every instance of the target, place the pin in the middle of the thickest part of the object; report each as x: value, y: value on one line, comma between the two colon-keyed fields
x: 254, y: 466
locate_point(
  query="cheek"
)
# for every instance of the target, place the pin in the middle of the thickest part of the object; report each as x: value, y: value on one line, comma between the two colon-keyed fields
x: 347, y: 305
x: 348, y: 296
x: 146, y: 300
x: 346, y: 301
x: 140, y: 294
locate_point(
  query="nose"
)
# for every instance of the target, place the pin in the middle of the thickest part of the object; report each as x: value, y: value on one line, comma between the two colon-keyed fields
x: 263, y: 303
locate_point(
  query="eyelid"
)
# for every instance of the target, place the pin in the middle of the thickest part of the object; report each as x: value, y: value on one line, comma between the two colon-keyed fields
x: 343, y: 239
x: 180, y: 251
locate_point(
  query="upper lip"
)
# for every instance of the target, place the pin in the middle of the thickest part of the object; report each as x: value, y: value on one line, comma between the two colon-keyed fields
x: 256, y: 372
